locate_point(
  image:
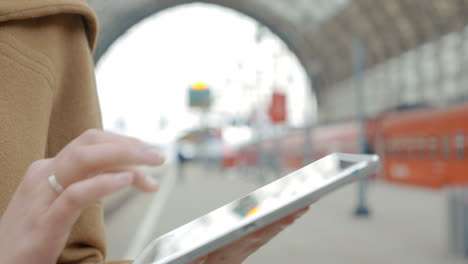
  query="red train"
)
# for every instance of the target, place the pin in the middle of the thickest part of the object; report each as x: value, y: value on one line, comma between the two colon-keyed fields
x: 419, y: 145
x: 425, y: 147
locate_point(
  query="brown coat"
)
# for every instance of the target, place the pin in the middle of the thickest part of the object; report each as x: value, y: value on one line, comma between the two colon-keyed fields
x: 47, y: 98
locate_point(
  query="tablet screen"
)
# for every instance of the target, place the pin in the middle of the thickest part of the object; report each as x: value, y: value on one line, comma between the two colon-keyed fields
x: 229, y: 217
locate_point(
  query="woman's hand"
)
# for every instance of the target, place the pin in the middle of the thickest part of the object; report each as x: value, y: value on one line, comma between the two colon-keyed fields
x: 38, y: 220
x: 238, y: 251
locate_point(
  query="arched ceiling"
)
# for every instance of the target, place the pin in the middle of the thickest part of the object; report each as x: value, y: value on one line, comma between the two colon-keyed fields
x: 320, y: 32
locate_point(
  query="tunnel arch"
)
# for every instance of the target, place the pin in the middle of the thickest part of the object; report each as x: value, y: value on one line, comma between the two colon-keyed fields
x: 167, y: 38
x: 111, y: 31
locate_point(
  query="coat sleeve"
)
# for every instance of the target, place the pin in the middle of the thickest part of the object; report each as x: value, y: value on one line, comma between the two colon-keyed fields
x: 47, y: 98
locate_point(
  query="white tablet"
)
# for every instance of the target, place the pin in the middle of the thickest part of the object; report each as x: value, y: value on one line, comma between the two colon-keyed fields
x: 258, y: 209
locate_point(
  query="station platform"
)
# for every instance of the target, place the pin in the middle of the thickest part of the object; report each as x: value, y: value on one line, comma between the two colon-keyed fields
x: 407, y: 225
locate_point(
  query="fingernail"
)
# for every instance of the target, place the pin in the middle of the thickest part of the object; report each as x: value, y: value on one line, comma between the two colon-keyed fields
x: 124, y: 177
x: 151, y: 181
x: 155, y: 154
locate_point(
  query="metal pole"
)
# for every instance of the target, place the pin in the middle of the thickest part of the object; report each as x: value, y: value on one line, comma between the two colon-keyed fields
x: 278, y: 156
x: 358, y: 67
x: 258, y: 116
x: 308, y: 150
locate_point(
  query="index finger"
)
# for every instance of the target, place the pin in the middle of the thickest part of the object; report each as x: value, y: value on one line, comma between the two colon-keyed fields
x: 239, y: 250
x: 97, y: 136
x: 82, y: 162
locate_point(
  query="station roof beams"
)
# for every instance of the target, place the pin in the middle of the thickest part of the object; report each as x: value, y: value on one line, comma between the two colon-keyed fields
x: 320, y: 32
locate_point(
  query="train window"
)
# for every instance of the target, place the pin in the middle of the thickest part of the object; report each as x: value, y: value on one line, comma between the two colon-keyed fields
x: 398, y: 147
x: 433, y: 147
x: 414, y: 148
x: 401, y: 147
x: 445, y: 147
x: 389, y: 147
x: 393, y: 147
x: 421, y: 147
x: 411, y: 147
x: 386, y: 147
x: 460, y: 145
x: 405, y: 148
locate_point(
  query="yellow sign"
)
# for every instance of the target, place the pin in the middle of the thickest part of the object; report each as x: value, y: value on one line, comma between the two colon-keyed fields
x: 199, y: 86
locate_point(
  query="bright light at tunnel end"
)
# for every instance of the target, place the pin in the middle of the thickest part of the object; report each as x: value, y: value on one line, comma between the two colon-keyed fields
x: 143, y: 78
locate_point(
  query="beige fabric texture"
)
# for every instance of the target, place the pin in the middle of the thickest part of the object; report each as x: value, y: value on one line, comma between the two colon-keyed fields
x: 47, y: 98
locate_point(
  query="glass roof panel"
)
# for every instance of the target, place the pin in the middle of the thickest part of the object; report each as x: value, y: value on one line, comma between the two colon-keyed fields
x: 317, y: 10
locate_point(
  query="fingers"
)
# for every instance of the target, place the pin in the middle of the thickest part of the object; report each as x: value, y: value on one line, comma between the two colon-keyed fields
x: 239, y: 250
x: 280, y: 224
x: 48, y: 215
x: 288, y: 220
x: 260, y: 237
x: 201, y: 260
x: 96, y: 136
x: 65, y: 210
x: 85, y: 161
x: 143, y: 180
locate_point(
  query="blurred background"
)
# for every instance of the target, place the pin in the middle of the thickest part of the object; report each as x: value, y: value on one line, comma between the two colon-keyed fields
x: 238, y: 93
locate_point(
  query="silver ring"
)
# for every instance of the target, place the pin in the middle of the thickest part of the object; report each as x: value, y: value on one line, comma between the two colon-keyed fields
x: 55, y: 184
